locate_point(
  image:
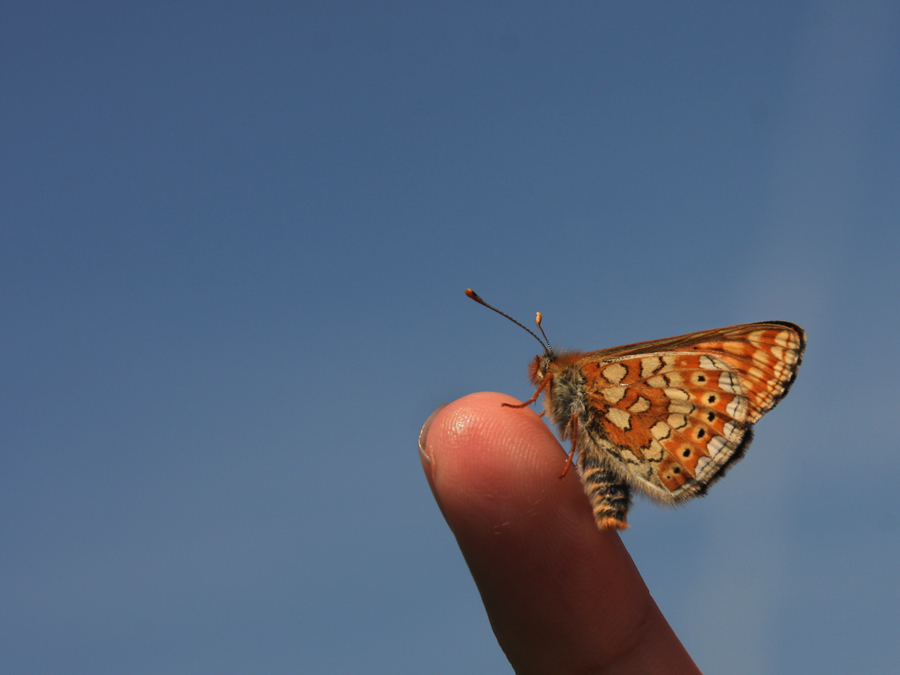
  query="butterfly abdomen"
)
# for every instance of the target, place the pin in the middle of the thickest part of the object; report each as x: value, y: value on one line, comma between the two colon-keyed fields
x: 610, y: 497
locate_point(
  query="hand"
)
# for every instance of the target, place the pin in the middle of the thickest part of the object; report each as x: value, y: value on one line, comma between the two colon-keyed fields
x: 561, y: 596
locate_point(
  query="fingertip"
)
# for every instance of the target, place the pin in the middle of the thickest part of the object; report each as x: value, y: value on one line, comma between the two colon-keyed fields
x: 482, y: 459
x: 545, y: 572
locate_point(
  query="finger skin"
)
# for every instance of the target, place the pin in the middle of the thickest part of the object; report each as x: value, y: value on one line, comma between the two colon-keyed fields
x: 561, y: 596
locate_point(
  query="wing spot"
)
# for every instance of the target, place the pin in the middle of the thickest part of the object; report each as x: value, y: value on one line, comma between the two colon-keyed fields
x: 649, y: 366
x: 727, y: 382
x: 674, y: 379
x: 683, y: 407
x: 614, y: 394
x: 657, y: 382
x: 676, y: 421
x: 639, y: 406
x: 620, y: 418
x: 615, y: 373
x: 660, y: 430
x: 707, y: 363
x: 676, y: 394
x: 654, y: 451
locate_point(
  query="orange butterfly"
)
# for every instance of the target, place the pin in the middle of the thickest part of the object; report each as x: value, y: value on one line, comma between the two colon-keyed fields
x: 665, y: 417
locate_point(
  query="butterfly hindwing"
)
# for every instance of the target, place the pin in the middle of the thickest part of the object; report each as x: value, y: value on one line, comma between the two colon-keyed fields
x: 670, y: 416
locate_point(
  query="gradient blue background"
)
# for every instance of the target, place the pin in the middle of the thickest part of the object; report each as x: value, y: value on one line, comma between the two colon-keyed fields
x: 234, y: 240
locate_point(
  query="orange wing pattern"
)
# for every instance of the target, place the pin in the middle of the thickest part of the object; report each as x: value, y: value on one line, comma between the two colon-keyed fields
x: 668, y: 417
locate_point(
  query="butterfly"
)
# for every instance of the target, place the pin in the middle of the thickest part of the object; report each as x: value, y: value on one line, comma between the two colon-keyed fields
x: 666, y: 418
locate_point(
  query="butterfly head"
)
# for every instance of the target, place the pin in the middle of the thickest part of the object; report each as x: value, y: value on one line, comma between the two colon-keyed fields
x: 540, y: 367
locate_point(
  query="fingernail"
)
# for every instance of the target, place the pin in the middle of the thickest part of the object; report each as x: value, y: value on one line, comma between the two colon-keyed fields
x: 423, y: 435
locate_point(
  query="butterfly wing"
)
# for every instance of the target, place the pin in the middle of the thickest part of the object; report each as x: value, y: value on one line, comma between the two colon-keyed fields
x: 670, y: 416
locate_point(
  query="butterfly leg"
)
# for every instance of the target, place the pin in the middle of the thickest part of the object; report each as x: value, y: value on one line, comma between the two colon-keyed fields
x: 574, y: 434
x: 532, y: 399
x: 610, y: 497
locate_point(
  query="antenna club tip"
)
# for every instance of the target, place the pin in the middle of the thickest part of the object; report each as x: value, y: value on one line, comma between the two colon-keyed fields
x: 538, y: 317
x: 547, y: 348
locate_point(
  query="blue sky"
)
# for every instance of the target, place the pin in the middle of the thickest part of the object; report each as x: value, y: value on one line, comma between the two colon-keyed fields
x: 234, y: 240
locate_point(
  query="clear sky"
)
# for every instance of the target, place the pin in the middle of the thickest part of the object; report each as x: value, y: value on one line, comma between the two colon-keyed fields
x: 234, y: 239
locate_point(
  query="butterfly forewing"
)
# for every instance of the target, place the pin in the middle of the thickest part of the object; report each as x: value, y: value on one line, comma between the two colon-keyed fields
x: 671, y: 415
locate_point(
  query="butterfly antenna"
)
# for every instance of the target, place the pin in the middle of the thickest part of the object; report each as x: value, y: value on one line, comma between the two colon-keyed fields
x: 537, y: 319
x: 477, y: 298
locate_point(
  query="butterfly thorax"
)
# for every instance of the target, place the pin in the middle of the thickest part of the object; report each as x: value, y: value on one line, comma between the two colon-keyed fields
x: 562, y: 383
